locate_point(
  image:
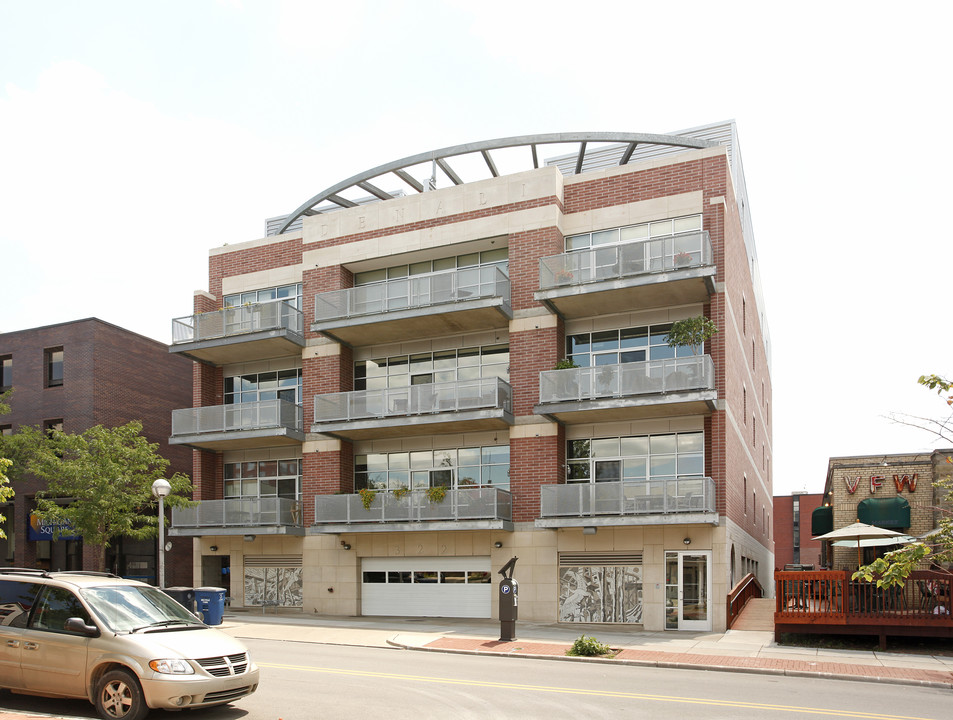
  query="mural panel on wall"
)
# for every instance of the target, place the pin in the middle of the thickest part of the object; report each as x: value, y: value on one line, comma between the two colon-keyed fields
x: 600, y: 594
x: 273, y: 586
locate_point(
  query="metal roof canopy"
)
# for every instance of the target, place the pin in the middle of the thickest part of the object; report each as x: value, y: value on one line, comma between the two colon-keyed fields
x: 439, y: 159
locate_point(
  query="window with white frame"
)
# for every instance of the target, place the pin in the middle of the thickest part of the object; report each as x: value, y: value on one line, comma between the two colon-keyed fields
x: 498, y: 257
x: 289, y: 293
x: 433, y: 367
x: 612, y: 347
x: 689, y: 224
x: 264, y: 478
x: 457, y: 468
x: 636, y: 458
x: 257, y: 387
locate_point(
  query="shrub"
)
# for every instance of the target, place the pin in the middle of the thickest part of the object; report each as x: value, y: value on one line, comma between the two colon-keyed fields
x: 588, y: 647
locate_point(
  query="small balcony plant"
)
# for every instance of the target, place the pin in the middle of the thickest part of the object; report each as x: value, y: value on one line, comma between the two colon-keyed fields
x: 682, y: 259
x: 691, y: 332
x: 367, y: 497
x: 563, y: 276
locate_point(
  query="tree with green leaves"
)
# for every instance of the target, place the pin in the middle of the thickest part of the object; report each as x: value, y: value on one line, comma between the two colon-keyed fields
x: 895, y: 567
x: 6, y: 492
x: 100, y: 482
x: 692, y: 332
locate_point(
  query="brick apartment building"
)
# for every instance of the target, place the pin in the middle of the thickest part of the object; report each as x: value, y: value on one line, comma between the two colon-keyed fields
x: 793, y: 544
x: 73, y: 376
x: 379, y: 424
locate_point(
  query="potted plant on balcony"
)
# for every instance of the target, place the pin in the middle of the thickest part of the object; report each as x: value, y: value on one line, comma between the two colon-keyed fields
x: 563, y: 276
x: 691, y: 332
x: 437, y: 493
x: 682, y: 259
x: 400, y: 492
x: 367, y: 497
x: 567, y: 384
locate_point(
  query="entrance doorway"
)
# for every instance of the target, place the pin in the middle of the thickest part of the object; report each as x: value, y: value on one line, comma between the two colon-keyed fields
x: 688, y: 590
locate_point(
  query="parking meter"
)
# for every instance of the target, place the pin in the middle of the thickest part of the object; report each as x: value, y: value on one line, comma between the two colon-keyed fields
x: 509, y: 602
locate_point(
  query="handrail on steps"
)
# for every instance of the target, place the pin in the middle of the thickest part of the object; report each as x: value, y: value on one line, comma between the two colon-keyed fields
x: 748, y: 587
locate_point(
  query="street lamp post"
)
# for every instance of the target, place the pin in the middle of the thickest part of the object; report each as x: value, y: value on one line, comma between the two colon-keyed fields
x: 161, y: 488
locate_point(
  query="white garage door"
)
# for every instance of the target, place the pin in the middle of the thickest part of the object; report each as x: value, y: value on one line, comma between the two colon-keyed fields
x: 426, y: 587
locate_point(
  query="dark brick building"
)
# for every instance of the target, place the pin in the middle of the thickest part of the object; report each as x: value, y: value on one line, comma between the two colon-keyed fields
x: 76, y: 375
x: 792, y: 529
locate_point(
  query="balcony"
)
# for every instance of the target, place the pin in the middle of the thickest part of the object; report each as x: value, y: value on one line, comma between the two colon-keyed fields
x: 462, y: 406
x: 461, y: 509
x: 240, y: 334
x: 421, y: 306
x: 239, y: 516
x: 674, y: 501
x: 654, y: 388
x: 240, y: 426
x: 676, y: 270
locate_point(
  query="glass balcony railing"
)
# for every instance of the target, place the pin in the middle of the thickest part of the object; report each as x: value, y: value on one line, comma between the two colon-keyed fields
x: 642, y: 497
x: 239, y: 512
x: 261, y: 415
x: 615, y: 262
x: 415, y: 506
x: 449, y: 397
x: 236, y: 321
x: 627, y: 379
x: 416, y: 292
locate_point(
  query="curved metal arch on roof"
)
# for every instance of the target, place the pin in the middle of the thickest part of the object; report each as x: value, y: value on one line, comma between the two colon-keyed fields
x: 439, y: 157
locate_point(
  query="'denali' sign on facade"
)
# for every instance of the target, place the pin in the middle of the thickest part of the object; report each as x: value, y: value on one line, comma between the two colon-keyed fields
x: 877, y: 481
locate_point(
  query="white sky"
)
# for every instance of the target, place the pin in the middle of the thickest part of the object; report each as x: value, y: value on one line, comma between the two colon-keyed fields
x: 136, y: 136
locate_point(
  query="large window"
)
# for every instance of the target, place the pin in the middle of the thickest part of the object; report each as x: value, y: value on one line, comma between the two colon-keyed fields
x: 459, y: 468
x: 53, y: 363
x: 289, y: 293
x: 264, y: 478
x: 611, y: 347
x: 6, y: 371
x: 255, y: 387
x: 471, y: 260
x: 635, y: 233
x: 636, y: 458
x: 433, y: 367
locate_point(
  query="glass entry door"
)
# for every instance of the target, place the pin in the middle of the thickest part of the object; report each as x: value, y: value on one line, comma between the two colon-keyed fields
x: 688, y: 590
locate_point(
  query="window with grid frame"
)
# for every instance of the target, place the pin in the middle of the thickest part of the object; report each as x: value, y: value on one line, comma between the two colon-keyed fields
x: 637, y: 458
x: 291, y: 294
x: 258, y: 387
x: 264, y: 478
x: 396, y: 371
x: 488, y: 258
x: 625, y: 345
x: 635, y: 233
x: 455, y: 468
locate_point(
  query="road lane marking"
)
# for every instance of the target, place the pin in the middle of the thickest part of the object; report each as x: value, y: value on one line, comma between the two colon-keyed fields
x: 600, y: 693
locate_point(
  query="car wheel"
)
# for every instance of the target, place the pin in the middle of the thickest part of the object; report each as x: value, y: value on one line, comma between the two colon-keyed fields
x: 119, y: 697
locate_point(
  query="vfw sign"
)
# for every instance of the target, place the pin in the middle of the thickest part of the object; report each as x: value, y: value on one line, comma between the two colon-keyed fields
x: 877, y: 481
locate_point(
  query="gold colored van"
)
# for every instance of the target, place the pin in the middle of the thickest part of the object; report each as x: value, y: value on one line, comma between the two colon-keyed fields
x: 124, y: 645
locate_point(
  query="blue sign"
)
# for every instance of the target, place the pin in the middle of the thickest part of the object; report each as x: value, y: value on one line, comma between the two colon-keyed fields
x: 40, y: 530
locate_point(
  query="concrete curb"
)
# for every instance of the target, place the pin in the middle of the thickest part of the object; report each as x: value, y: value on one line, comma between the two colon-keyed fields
x: 674, y: 665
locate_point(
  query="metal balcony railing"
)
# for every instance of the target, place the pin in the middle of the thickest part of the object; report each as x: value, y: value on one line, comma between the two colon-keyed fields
x: 641, y: 497
x: 484, y: 393
x: 615, y: 262
x: 260, y: 415
x: 254, y: 317
x: 627, y: 379
x: 239, y: 512
x: 415, y: 506
x: 417, y: 292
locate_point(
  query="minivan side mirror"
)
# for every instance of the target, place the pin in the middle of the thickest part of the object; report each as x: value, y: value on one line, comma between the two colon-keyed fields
x: 78, y: 626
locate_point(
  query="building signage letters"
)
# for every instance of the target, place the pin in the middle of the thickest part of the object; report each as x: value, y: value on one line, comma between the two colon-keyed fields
x: 877, y: 481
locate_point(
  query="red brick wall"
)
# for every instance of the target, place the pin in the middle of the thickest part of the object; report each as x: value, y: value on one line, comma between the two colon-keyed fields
x: 534, y: 462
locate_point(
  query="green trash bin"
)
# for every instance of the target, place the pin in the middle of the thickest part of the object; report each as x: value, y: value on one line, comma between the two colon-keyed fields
x: 211, y: 604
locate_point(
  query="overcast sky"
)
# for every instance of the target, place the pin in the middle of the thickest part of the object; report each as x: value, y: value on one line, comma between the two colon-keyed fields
x: 136, y: 136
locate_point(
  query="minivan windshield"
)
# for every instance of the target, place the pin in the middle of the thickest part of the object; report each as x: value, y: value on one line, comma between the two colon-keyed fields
x: 128, y: 608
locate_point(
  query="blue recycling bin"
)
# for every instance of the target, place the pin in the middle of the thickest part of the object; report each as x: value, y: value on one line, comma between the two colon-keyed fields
x: 211, y: 604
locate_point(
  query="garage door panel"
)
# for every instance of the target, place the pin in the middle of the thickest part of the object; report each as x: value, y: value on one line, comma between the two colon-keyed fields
x: 427, y: 587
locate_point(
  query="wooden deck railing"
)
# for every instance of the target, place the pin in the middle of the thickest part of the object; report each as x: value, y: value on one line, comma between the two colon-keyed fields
x: 829, y: 601
x: 748, y: 587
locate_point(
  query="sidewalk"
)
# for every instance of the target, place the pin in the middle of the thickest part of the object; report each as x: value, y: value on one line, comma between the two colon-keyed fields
x: 733, y: 651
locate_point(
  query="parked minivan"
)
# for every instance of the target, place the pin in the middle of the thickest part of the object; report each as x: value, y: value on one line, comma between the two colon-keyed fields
x: 124, y: 645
